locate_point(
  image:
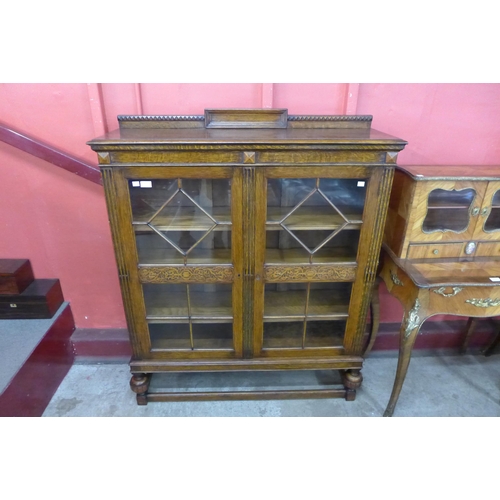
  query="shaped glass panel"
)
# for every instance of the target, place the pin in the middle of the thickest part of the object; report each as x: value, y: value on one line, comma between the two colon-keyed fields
x: 448, y: 210
x: 493, y: 221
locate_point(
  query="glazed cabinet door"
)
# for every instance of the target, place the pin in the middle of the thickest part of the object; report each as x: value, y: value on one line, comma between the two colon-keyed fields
x: 446, y: 210
x: 488, y: 217
x: 185, y: 223
x: 314, y: 232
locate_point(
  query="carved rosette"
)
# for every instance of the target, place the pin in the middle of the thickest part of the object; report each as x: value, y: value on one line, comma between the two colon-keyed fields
x: 187, y: 274
x: 309, y: 273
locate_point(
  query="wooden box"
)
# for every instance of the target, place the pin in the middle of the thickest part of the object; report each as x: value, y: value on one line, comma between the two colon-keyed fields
x: 15, y: 276
x: 40, y: 300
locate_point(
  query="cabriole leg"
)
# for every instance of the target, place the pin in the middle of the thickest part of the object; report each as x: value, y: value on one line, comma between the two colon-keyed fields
x: 407, y: 336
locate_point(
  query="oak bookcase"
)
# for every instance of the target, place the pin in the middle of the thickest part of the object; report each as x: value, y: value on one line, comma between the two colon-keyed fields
x: 246, y: 240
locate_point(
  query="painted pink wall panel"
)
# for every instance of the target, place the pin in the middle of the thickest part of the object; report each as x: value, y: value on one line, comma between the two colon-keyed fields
x: 454, y: 124
x: 194, y: 98
x: 310, y: 98
x: 58, y: 114
x: 118, y: 99
x: 59, y: 222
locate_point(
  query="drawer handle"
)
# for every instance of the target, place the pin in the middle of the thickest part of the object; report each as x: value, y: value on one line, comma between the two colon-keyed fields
x: 484, y: 302
x: 441, y: 291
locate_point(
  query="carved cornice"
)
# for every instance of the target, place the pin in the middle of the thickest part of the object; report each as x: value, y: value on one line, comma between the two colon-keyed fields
x: 159, y: 118
x: 330, y: 118
x: 187, y: 274
x: 329, y: 272
x: 245, y: 147
x: 291, y: 118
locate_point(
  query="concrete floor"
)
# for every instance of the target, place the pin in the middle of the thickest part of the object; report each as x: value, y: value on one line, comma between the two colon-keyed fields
x: 436, y: 386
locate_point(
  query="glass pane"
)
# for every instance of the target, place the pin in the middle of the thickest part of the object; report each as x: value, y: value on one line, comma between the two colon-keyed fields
x: 169, y: 336
x: 290, y: 334
x: 493, y: 221
x: 307, y: 219
x: 448, y: 210
x: 193, y: 316
x: 182, y: 220
x: 215, y: 248
x: 181, y: 302
x: 282, y: 248
x: 297, y: 310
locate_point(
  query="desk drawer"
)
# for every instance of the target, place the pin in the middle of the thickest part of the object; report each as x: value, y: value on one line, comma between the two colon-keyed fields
x: 488, y: 249
x: 478, y: 301
x: 435, y: 250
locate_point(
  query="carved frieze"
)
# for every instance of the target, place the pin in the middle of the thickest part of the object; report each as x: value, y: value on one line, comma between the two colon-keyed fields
x: 187, y: 274
x: 309, y: 273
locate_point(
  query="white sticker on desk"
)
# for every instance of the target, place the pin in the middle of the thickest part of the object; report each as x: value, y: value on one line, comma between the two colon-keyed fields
x: 361, y: 184
x: 495, y: 279
x: 146, y: 184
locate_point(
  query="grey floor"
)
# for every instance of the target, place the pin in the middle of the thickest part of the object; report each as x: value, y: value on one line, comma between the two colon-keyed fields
x: 436, y: 386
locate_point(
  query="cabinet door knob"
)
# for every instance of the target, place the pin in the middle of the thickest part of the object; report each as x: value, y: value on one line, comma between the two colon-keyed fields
x: 475, y: 211
x: 485, y: 211
x: 435, y: 252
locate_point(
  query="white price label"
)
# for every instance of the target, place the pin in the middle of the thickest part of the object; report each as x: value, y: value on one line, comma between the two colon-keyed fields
x: 136, y: 184
x: 495, y: 279
x: 361, y: 184
x: 146, y: 184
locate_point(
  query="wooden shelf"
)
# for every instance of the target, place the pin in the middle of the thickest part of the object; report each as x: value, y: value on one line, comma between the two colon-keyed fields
x: 158, y: 256
x: 206, y: 307
x: 184, y: 219
x: 445, y: 206
x: 300, y: 256
x: 290, y: 305
x: 310, y: 218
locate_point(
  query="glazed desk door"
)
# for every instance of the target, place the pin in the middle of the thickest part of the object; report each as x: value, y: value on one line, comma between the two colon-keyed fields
x: 187, y: 230
x: 309, y: 224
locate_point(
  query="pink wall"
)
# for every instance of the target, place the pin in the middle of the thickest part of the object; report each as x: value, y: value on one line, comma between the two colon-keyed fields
x: 59, y: 221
